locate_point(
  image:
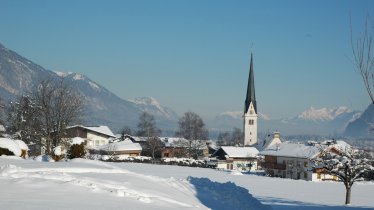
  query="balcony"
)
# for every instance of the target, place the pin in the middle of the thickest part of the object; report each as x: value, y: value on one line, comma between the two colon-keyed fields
x: 274, y: 166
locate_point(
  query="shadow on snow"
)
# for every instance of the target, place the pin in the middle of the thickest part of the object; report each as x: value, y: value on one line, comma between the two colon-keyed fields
x: 217, y: 196
x: 222, y: 196
x: 284, y: 204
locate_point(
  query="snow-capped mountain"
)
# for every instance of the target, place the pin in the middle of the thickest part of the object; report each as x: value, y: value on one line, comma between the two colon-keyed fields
x: 323, y: 114
x: 151, y: 105
x: 314, y: 121
x: 19, y: 75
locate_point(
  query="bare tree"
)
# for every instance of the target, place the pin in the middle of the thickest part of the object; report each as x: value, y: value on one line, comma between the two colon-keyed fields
x: 61, y: 105
x: 125, y: 131
x: 223, y: 138
x: 349, y: 166
x: 147, y: 126
x: 363, y: 54
x: 192, y: 128
x: 237, y: 137
x: 154, y: 147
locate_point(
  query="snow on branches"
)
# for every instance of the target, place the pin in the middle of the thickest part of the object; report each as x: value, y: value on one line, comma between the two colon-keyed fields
x: 349, y: 165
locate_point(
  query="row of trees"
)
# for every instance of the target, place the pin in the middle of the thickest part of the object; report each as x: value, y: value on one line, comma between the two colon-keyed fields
x: 235, y: 138
x: 191, y: 128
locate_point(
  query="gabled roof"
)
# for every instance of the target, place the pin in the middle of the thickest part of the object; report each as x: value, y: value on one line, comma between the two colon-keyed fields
x: 238, y: 152
x: 102, y: 129
x: 294, y: 150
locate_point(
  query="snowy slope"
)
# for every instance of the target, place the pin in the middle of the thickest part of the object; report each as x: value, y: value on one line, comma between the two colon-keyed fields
x: 363, y: 125
x: 85, y: 184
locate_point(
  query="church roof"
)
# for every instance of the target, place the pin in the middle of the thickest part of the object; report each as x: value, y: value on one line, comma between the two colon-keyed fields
x: 251, y: 96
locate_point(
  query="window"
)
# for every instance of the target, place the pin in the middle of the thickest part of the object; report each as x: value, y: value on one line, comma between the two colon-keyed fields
x: 251, y: 122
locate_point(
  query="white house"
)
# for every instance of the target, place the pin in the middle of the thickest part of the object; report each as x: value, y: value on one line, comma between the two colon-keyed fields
x: 236, y: 158
x: 94, y: 135
x: 293, y: 160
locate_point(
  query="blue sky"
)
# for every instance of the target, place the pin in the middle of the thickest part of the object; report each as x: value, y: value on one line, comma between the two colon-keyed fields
x: 194, y: 55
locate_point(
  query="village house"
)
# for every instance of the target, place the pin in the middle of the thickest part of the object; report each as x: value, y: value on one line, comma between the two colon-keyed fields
x: 180, y: 147
x: 235, y: 158
x: 293, y: 160
x: 94, y: 136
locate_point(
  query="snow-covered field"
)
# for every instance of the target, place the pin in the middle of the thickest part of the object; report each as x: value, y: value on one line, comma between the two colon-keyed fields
x: 87, y: 184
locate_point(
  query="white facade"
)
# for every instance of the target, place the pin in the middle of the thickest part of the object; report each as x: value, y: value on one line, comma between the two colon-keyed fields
x: 250, y: 126
x: 95, y: 140
x: 237, y: 165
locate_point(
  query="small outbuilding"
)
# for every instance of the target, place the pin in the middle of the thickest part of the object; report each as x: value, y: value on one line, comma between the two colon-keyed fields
x: 236, y: 158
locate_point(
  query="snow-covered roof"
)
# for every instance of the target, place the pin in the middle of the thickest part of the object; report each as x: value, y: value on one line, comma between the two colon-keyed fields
x: 270, y: 142
x: 101, y: 129
x: 240, y: 152
x: 293, y: 150
x: 125, y: 145
x: 11, y: 145
x: 337, y: 144
x: 98, y: 129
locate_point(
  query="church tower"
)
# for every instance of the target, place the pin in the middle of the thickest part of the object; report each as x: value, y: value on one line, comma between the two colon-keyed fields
x: 250, y: 111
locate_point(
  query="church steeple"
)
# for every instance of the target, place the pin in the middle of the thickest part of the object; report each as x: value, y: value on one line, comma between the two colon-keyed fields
x: 250, y: 110
x: 251, y: 96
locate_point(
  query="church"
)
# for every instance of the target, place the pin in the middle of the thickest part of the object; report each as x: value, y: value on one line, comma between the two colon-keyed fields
x: 250, y: 110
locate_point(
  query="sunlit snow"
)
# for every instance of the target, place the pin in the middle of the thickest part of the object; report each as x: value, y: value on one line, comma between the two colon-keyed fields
x: 88, y: 184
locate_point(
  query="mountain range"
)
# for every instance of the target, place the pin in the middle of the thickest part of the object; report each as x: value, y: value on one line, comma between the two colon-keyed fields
x: 322, y: 121
x: 19, y: 75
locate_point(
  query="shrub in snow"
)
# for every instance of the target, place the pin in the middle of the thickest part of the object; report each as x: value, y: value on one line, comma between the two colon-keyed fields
x: 349, y: 166
x: 58, y: 153
x: 76, y: 151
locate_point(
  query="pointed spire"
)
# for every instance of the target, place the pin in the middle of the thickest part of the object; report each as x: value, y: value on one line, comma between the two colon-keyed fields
x: 251, y: 96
